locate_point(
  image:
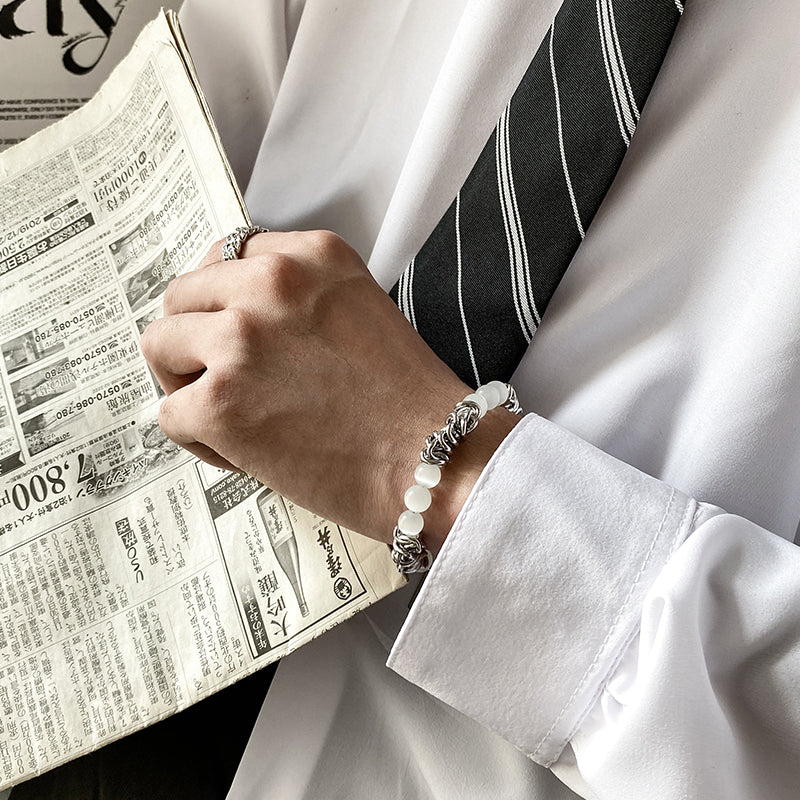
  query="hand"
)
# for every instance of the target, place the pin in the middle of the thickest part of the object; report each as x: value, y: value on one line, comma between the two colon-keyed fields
x: 293, y: 365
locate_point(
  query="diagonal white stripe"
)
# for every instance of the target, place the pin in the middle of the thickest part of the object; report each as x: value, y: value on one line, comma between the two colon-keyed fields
x: 611, y: 83
x: 617, y: 69
x: 410, y: 294
x: 629, y: 110
x: 679, y: 5
x: 401, y: 288
x: 625, y: 105
x: 499, y: 141
x: 401, y: 293
x: 517, y: 252
x: 527, y: 299
x: 460, y: 297
x: 561, y: 140
x: 621, y: 63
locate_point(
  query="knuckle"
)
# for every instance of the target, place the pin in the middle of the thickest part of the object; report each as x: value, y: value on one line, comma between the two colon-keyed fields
x: 239, y: 328
x: 221, y: 390
x: 242, y: 336
x: 333, y: 253
x: 330, y: 248
x: 281, y: 278
x: 325, y: 241
x: 277, y: 265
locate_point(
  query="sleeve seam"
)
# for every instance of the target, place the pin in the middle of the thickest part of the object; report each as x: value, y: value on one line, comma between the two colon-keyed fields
x: 691, y: 510
x: 614, y: 625
x: 466, y: 510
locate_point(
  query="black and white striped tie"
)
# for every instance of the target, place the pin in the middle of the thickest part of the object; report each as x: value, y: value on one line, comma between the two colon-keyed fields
x: 478, y: 287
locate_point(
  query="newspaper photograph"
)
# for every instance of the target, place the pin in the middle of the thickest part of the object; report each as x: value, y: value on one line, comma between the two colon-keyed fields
x: 56, y: 54
x: 134, y: 579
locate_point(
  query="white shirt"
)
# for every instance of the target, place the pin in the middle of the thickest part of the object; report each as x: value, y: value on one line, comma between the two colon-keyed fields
x: 590, y: 612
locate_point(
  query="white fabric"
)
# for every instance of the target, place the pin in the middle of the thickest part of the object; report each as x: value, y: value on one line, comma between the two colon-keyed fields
x: 595, y: 618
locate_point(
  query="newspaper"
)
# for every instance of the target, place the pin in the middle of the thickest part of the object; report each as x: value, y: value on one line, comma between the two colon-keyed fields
x: 54, y: 54
x: 134, y: 579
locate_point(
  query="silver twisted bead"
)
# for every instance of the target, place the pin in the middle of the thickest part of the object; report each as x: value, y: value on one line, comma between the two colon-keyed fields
x: 409, y: 554
x: 463, y: 419
x: 512, y: 404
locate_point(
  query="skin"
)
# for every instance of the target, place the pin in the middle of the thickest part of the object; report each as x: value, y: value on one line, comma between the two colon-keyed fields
x: 293, y: 365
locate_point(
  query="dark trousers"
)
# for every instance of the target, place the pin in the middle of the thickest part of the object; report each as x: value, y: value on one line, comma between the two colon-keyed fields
x: 191, y: 755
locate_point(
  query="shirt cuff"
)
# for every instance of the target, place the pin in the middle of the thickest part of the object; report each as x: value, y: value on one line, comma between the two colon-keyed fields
x: 538, y: 589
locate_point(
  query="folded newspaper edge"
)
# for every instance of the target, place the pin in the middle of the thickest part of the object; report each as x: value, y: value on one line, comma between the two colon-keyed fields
x: 134, y: 579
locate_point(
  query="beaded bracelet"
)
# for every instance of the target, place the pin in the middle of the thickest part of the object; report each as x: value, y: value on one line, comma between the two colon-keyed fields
x: 408, y: 552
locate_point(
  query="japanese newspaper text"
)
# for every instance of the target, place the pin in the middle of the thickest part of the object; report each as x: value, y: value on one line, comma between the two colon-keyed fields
x: 134, y: 579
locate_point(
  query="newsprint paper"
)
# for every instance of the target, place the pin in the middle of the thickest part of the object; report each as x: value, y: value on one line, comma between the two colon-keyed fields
x: 54, y: 54
x: 134, y: 580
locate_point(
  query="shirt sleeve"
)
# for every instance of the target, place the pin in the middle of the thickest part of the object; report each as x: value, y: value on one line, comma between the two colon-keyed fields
x: 609, y: 626
x: 240, y: 49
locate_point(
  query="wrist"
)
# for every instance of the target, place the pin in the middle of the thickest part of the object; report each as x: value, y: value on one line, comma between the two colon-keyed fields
x: 462, y: 472
x: 441, y: 449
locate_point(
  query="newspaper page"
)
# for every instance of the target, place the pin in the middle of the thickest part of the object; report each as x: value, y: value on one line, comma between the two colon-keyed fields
x: 134, y: 580
x: 54, y: 54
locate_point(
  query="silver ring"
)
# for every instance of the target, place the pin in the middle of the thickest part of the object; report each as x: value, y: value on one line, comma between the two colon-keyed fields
x: 234, y: 241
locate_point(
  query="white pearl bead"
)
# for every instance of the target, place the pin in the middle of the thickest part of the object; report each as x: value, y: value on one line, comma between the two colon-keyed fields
x: 427, y: 475
x: 502, y: 389
x: 480, y: 401
x: 491, y: 394
x: 417, y: 498
x: 410, y: 523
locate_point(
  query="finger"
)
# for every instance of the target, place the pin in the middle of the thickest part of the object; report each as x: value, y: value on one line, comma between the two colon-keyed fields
x: 205, y: 453
x: 181, y: 421
x: 210, y: 289
x: 213, y: 256
x: 220, y: 285
x: 258, y: 242
x: 177, y: 348
x: 286, y: 242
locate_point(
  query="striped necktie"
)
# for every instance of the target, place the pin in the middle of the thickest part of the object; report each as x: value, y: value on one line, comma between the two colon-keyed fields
x: 477, y: 289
